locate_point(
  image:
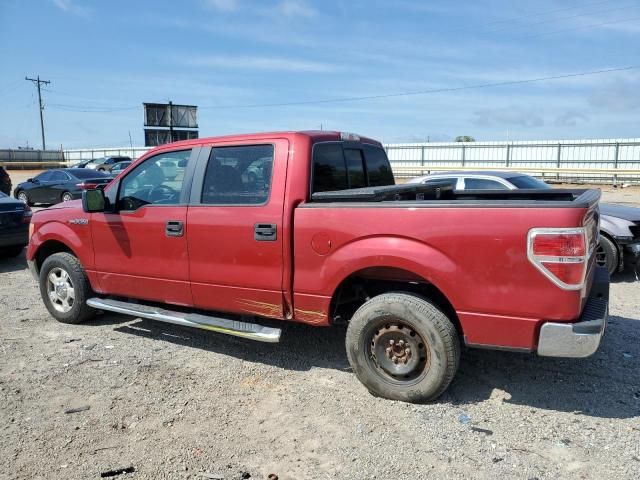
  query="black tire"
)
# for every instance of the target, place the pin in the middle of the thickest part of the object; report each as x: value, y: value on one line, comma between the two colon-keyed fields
x: 607, y: 254
x: 24, y: 196
x: 428, y: 332
x: 13, y: 251
x: 66, y: 197
x: 78, y: 311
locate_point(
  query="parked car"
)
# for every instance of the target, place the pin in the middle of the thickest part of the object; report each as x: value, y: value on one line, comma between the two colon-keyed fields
x: 619, y: 243
x: 15, y: 217
x: 327, y: 239
x: 82, y: 164
x: 105, y: 164
x: 58, y: 185
x: 5, y: 182
x: 118, y: 168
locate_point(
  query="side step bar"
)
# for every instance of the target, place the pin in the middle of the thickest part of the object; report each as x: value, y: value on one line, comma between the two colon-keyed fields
x: 251, y: 331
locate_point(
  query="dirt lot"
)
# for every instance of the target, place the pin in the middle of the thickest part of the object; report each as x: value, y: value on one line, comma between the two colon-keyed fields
x: 178, y: 403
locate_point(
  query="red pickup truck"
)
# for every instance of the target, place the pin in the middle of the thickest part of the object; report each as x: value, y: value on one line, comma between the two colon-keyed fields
x: 231, y: 233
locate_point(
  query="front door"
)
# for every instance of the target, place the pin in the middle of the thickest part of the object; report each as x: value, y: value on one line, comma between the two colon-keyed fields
x: 141, y: 247
x: 235, y: 224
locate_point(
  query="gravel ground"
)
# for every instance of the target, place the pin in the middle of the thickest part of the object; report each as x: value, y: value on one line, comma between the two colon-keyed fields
x: 178, y: 403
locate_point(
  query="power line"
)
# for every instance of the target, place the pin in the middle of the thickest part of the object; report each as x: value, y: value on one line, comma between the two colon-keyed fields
x: 38, y: 82
x: 100, y: 109
x: 542, y: 22
x: 426, y: 92
x: 581, y: 27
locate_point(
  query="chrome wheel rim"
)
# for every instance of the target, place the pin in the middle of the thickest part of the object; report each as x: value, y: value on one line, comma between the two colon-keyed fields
x: 60, y: 290
x: 67, y: 197
x: 23, y: 197
x: 398, y: 353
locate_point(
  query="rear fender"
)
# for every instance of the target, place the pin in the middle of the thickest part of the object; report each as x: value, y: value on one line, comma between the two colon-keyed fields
x: 390, y: 251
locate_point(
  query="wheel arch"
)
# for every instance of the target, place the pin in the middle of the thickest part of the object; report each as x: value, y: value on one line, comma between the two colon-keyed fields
x: 359, y: 286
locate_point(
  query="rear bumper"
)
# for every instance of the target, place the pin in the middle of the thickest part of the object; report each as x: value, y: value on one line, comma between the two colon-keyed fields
x: 581, y: 338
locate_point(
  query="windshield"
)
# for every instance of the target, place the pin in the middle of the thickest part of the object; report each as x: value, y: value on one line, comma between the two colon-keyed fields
x: 525, y: 181
x: 99, y: 160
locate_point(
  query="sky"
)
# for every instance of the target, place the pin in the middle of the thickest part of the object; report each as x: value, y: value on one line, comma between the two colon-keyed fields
x: 269, y: 65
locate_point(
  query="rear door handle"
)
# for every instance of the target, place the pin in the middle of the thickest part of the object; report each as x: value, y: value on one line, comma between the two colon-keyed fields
x: 265, y: 232
x: 174, y: 228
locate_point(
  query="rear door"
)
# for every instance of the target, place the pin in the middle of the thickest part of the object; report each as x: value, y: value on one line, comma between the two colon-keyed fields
x: 234, y: 226
x: 141, y: 247
x: 58, y: 185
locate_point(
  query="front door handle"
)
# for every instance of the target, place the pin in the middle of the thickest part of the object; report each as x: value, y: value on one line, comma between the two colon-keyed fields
x: 174, y: 228
x: 265, y: 232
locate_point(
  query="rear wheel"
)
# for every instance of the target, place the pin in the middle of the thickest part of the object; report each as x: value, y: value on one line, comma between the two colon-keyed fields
x: 67, y: 197
x: 402, y: 347
x: 24, y: 197
x: 65, y: 288
x: 607, y: 254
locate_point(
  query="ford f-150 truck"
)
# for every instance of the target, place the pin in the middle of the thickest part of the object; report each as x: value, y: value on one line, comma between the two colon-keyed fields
x: 309, y: 227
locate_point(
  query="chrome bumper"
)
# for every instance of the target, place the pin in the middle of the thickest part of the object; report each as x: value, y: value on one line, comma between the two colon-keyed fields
x: 33, y: 269
x: 582, y: 338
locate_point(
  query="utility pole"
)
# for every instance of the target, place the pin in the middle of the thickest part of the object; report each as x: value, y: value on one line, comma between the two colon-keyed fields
x: 38, y: 82
x: 170, y: 121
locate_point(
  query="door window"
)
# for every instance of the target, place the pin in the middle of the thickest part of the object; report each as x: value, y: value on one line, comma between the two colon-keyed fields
x: 238, y: 175
x: 482, y: 184
x: 44, y: 176
x: 154, y: 182
x: 59, y: 177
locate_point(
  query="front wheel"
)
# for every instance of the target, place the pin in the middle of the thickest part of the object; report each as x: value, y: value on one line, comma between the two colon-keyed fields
x: 402, y: 347
x: 65, y: 288
x: 67, y: 197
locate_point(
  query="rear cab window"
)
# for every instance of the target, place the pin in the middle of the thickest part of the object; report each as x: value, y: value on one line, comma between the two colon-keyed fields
x: 340, y: 166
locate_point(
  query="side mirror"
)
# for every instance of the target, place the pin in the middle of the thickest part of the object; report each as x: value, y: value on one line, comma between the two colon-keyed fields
x: 93, y: 200
x: 32, y: 180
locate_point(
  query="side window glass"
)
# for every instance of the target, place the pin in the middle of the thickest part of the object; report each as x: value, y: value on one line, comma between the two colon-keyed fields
x: 158, y: 180
x: 238, y: 175
x: 329, y: 169
x: 59, y: 177
x: 44, y: 176
x: 449, y: 180
x: 378, y: 166
x: 482, y: 184
x: 355, y: 168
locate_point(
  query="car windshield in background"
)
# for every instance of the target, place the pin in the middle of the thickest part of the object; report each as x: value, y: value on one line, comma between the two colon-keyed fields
x: 82, y: 174
x: 524, y: 181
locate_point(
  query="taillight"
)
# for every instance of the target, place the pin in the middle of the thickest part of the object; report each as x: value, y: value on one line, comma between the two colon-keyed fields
x: 27, y: 214
x: 561, y: 254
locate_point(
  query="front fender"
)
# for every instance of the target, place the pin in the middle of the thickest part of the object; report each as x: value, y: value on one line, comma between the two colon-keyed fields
x: 75, y: 238
x: 615, y: 227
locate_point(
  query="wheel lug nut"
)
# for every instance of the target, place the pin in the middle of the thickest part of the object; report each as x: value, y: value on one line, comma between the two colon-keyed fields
x: 407, y: 351
x: 388, y: 352
x: 401, y: 343
x: 395, y: 360
x: 392, y: 343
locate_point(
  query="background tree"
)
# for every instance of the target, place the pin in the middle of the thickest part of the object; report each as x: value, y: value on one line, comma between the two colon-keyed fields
x: 464, y: 138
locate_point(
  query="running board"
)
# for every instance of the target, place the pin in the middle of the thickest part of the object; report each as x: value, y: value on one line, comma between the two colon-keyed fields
x: 252, y: 331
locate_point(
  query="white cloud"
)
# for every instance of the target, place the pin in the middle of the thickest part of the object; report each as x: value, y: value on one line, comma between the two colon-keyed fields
x: 223, y: 5
x: 259, y: 63
x: 69, y: 6
x: 296, y: 8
